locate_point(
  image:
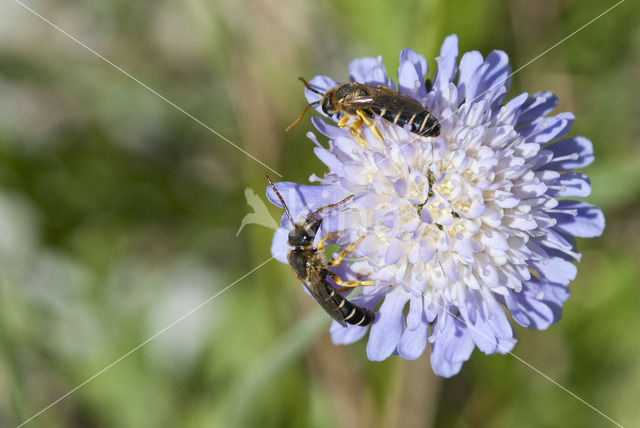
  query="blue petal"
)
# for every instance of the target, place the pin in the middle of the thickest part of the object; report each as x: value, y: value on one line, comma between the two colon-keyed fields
x: 413, y: 341
x: 467, y: 76
x: 413, y: 68
x: 388, y: 326
x: 588, y: 221
x: 280, y: 245
x: 442, y: 367
x: 330, y: 160
x: 547, y: 129
x: 537, y: 106
x: 452, y: 346
x: 346, y: 335
x: 493, y: 76
x: 328, y: 130
x: 556, y: 292
x: 351, y: 333
x: 570, y: 154
x: 572, y: 184
x: 479, y: 330
x: 512, y: 304
x: 497, y: 320
x: 553, y: 239
x: 508, y: 114
x: 378, y: 77
x: 401, y: 187
x: 540, y: 307
x: 394, y: 253
x: 368, y: 70
x: 487, y: 323
x: 446, y: 71
x: 359, y: 68
x: 498, y: 76
x: 556, y: 269
x: 450, y: 268
x: 416, y: 314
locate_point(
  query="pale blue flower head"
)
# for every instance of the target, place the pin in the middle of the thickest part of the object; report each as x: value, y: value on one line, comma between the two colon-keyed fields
x: 463, y: 229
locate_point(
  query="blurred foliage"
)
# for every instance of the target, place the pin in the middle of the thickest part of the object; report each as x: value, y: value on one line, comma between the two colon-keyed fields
x: 118, y: 216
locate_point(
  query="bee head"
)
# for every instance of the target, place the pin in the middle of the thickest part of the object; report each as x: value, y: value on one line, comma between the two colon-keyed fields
x: 302, y: 235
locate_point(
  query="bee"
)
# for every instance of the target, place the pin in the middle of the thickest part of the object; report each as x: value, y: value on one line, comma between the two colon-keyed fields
x: 312, y: 268
x: 363, y: 102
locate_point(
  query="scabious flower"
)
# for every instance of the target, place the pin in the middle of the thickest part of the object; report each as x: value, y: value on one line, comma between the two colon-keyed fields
x: 462, y: 228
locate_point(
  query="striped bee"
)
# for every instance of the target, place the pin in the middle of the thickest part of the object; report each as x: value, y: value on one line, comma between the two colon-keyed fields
x: 363, y: 102
x: 312, y: 268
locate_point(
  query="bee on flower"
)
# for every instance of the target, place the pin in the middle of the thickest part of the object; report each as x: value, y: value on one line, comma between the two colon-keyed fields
x: 462, y: 229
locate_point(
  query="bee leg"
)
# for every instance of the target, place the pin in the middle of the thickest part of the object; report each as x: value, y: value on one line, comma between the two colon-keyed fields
x: 355, y: 126
x: 355, y: 131
x: 324, y: 239
x: 370, y: 124
x: 350, y: 249
x: 343, y: 121
x: 350, y: 284
x: 360, y: 138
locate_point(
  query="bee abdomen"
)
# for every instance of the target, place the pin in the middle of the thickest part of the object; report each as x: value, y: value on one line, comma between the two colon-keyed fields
x: 351, y: 313
x: 395, y: 117
x: 425, y: 124
x: 421, y: 122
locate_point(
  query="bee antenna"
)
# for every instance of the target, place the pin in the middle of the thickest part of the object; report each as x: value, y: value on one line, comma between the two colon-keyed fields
x: 297, y: 121
x: 284, y: 205
x: 308, y: 86
x: 328, y: 207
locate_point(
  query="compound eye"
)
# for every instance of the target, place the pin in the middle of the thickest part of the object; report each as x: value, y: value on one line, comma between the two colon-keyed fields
x: 326, y: 107
x: 306, y: 239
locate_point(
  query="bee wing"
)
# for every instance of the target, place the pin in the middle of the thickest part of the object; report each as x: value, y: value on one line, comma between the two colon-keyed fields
x: 384, y: 99
x: 395, y: 101
x: 360, y: 101
x: 321, y: 291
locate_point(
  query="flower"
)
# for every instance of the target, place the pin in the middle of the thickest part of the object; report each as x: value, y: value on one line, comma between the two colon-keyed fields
x: 462, y: 228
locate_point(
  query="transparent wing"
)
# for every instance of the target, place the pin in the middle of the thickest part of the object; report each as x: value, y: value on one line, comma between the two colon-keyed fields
x: 321, y: 291
x: 384, y: 99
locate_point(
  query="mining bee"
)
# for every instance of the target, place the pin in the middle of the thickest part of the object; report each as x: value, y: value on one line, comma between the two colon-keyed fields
x: 312, y: 268
x: 363, y: 102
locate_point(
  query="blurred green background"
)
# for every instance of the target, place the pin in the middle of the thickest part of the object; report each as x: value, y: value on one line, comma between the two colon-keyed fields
x: 118, y: 215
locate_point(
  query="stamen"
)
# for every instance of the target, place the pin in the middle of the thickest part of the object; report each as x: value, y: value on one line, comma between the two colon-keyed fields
x: 568, y: 212
x: 572, y: 156
x: 562, y: 188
